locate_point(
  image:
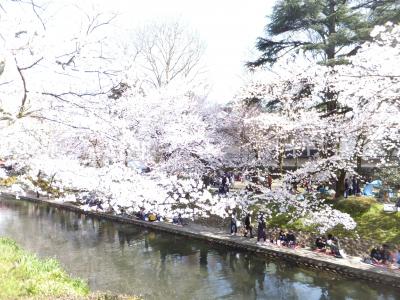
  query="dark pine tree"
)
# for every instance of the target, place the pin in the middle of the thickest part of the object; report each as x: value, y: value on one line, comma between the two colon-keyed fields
x: 330, y: 30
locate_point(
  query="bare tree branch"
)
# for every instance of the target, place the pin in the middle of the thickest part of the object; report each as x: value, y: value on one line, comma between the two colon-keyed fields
x: 22, y: 108
x: 24, y: 97
x: 31, y: 65
x: 167, y: 51
x: 60, y: 122
x: 95, y: 22
x: 34, y: 6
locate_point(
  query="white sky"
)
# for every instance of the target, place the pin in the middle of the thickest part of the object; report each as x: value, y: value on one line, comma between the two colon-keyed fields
x: 229, y: 28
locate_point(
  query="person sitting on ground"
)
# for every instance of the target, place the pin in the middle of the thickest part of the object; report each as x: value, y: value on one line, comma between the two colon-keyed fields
x: 394, y: 258
x: 282, y: 241
x: 261, y: 229
x: 320, y: 243
x: 333, y: 245
x: 291, y: 239
x: 141, y: 214
x: 177, y: 220
x: 398, y: 257
x: 376, y: 255
x: 274, y: 237
x: 247, y: 223
x: 152, y: 217
x: 387, y: 257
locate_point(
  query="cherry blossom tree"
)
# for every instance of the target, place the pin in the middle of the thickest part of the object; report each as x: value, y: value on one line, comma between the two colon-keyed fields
x: 73, y: 113
x: 69, y: 97
x: 363, y: 125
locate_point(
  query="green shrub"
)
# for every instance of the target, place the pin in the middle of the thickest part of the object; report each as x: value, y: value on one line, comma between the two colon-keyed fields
x: 355, y: 206
x: 24, y: 275
x: 46, y: 186
x: 9, y: 181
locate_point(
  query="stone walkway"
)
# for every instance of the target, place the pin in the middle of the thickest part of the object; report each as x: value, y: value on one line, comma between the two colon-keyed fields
x: 350, y: 266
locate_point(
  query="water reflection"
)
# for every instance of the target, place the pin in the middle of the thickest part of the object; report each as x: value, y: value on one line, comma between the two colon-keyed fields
x: 127, y: 259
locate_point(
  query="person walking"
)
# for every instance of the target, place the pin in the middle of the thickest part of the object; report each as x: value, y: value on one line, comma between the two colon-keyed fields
x: 261, y: 229
x: 247, y: 223
x: 358, y: 190
x: 233, y: 223
x: 346, y: 188
x: 269, y: 179
x: 224, y: 180
x: 353, y: 186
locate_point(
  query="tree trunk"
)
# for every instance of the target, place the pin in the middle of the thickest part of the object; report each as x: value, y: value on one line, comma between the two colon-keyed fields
x: 359, y: 161
x: 126, y: 157
x: 330, y: 51
x: 340, y: 184
x: 280, y: 160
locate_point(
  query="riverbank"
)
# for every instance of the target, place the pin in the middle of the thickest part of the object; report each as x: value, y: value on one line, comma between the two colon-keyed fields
x: 23, y: 275
x: 350, y: 267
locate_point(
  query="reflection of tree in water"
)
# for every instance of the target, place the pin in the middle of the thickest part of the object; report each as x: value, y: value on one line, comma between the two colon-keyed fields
x: 256, y: 278
x: 203, y: 261
x: 170, y: 245
x: 250, y: 276
x: 127, y: 235
x: 245, y: 274
x: 289, y: 280
x: 61, y: 225
x: 173, y: 268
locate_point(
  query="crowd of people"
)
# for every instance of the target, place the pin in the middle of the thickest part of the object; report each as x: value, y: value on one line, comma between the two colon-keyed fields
x: 154, y: 217
x: 148, y: 216
x: 283, y: 239
x: 351, y: 187
x: 329, y: 245
x: 383, y: 256
x: 225, y: 180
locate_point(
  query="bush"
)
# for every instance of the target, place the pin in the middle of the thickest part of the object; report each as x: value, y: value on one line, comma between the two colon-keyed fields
x: 355, y: 206
x: 45, y: 185
x: 9, y: 181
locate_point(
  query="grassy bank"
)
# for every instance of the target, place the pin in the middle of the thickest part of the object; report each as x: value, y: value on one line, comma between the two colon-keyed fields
x: 24, y: 276
x: 372, y: 222
x: 375, y: 224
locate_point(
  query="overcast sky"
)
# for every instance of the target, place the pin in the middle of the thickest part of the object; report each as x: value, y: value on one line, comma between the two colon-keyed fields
x: 229, y: 28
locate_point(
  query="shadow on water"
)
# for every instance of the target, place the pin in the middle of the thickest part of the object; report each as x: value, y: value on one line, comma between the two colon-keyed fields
x: 128, y: 259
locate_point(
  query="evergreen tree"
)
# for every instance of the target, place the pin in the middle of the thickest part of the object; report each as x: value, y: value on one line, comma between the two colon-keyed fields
x: 330, y: 30
x: 382, y: 11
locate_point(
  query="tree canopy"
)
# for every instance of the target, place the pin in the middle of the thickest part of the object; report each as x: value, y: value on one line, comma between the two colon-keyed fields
x: 330, y: 30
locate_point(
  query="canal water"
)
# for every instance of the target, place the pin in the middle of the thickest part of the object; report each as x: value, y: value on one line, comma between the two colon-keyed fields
x: 131, y: 260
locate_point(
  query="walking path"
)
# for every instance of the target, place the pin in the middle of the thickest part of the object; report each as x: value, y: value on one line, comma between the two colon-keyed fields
x: 350, y: 267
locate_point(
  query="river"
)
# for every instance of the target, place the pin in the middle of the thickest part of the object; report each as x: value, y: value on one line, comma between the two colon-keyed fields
x: 132, y: 260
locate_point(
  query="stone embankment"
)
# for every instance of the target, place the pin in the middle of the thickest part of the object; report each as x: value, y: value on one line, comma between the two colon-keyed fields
x: 350, y: 267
